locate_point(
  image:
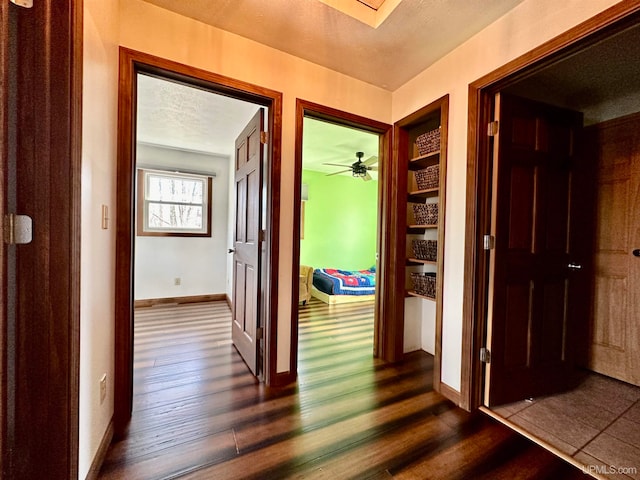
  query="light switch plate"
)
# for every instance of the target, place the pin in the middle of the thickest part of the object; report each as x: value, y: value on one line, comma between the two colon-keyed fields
x: 105, y: 217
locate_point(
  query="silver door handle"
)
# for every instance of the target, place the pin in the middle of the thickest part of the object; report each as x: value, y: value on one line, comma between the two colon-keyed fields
x: 574, y: 266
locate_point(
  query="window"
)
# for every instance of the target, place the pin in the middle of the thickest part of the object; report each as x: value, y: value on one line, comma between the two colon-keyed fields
x: 173, y: 204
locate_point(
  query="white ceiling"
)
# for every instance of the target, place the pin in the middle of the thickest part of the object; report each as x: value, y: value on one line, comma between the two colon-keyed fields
x: 412, y: 37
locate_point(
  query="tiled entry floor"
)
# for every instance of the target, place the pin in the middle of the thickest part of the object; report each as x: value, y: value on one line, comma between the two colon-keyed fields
x: 597, y: 424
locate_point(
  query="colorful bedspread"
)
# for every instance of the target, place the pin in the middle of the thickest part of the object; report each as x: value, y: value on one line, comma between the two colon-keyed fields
x: 350, y: 282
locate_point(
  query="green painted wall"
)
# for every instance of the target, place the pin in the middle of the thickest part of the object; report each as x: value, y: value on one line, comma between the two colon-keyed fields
x: 340, y: 222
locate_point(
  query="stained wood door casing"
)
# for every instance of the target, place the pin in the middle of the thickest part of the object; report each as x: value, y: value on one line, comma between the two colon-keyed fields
x: 531, y: 287
x: 246, y: 255
x: 615, y: 331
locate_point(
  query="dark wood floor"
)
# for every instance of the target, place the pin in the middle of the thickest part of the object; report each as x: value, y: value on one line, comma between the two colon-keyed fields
x: 199, y: 414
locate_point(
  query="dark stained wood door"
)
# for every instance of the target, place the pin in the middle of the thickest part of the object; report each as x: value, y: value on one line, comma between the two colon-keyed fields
x: 246, y: 255
x: 40, y: 140
x: 534, y: 276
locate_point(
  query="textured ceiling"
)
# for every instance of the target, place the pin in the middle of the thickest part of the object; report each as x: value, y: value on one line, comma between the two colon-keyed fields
x: 413, y: 36
x: 602, y: 81
x: 177, y: 116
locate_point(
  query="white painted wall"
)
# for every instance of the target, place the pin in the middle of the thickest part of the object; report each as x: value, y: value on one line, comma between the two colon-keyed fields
x: 97, y: 282
x: 200, y: 263
x: 527, y: 26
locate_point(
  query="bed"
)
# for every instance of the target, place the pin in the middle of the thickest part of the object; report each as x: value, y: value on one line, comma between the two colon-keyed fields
x: 332, y: 285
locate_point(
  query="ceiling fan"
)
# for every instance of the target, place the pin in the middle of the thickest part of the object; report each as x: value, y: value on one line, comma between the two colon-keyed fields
x: 358, y: 168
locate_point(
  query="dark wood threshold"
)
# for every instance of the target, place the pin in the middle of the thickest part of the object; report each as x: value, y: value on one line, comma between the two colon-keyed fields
x: 152, y: 302
x: 535, y: 439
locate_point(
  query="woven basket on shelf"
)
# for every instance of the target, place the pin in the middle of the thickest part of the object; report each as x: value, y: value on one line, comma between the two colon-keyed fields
x: 425, y: 214
x: 425, y: 250
x: 428, y: 142
x: 424, y: 283
x: 428, y: 177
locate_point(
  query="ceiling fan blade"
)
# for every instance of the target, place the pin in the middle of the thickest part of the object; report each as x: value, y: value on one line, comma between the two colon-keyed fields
x: 372, y: 169
x: 367, y: 177
x: 337, y: 173
x: 371, y: 160
x: 337, y: 165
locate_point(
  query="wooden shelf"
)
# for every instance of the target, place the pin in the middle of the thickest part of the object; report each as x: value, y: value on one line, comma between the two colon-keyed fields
x: 408, y: 130
x: 419, y: 228
x: 422, y: 194
x: 412, y: 293
x: 424, y: 161
x: 418, y: 261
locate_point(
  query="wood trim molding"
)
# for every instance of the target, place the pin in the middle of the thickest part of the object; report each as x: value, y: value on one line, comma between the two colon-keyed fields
x: 131, y: 63
x: 442, y: 199
x: 449, y: 393
x: 385, y: 322
x: 101, y: 454
x: 477, y: 213
x: 152, y: 302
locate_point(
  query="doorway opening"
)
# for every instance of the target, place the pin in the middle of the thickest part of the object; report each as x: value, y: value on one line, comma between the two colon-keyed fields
x: 588, y: 418
x: 193, y: 89
x: 338, y: 244
x: 186, y: 212
x: 377, y: 251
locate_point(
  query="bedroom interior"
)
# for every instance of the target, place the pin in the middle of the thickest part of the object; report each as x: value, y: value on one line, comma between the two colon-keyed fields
x: 340, y: 204
x: 179, y: 129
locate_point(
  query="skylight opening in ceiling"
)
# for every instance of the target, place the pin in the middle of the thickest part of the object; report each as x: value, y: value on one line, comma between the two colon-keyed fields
x: 369, y: 12
x: 373, y: 4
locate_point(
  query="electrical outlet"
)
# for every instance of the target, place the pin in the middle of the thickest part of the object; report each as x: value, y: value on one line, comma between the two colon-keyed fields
x: 103, y: 388
x: 177, y: 281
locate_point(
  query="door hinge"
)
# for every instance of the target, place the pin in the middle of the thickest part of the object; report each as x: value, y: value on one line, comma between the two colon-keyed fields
x: 264, y: 138
x: 492, y: 128
x: 259, y: 333
x: 23, y: 3
x: 488, y: 242
x: 18, y: 229
x: 485, y: 355
x: 262, y: 236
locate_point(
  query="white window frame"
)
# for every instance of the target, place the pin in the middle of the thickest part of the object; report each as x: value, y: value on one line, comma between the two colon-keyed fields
x: 144, y: 229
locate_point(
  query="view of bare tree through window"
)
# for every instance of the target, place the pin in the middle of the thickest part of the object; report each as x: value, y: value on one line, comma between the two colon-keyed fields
x: 175, y: 202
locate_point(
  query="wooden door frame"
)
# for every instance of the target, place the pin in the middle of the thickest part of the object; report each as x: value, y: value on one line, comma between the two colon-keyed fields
x: 479, y: 170
x: 388, y: 319
x: 41, y: 125
x: 131, y: 63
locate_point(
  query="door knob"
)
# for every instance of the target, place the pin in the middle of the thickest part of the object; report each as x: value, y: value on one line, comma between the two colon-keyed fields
x: 636, y: 252
x: 574, y: 266
x: 231, y: 250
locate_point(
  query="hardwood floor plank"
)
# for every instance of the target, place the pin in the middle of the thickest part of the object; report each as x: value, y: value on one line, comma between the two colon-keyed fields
x: 200, y: 414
